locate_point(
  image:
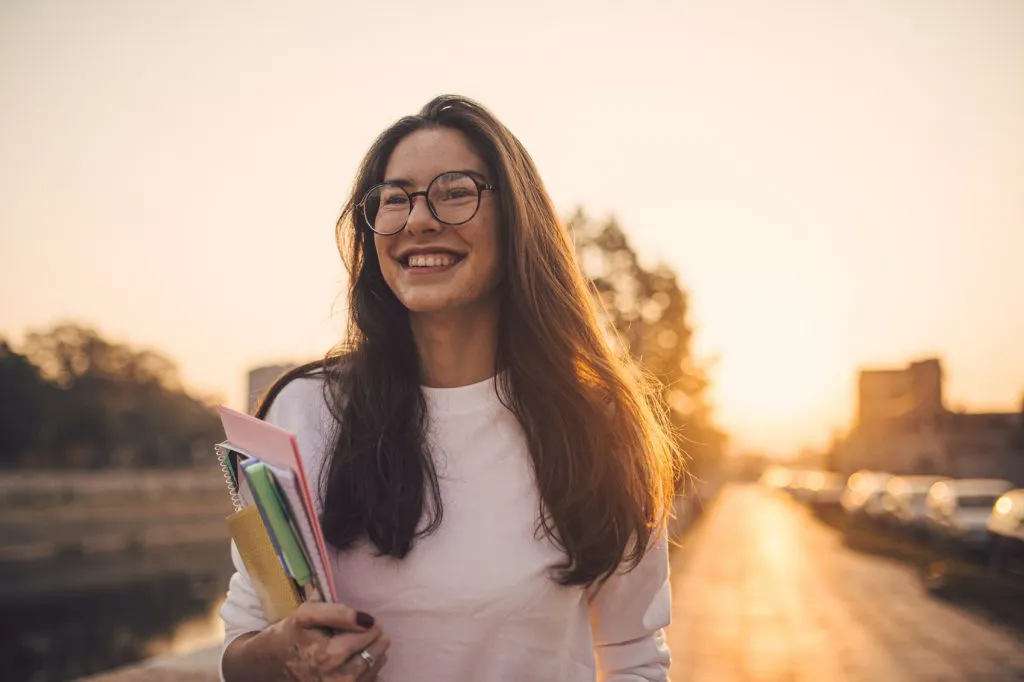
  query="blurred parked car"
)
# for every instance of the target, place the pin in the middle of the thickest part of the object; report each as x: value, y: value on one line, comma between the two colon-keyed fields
x: 798, y: 485
x: 824, y: 490
x: 903, y: 502
x: 776, y: 477
x: 1006, y: 526
x: 862, y: 497
x: 958, y: 509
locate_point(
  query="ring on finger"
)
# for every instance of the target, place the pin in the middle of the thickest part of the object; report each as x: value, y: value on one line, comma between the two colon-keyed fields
x: 368, y: 657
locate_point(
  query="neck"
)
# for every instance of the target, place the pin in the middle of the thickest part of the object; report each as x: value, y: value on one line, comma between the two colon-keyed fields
x: 456, y: 348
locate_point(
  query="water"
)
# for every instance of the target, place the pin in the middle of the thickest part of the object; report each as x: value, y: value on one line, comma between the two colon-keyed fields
x: 63, y: 633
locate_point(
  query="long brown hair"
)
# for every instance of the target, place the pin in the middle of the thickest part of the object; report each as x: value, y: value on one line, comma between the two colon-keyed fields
x: 604, y: 459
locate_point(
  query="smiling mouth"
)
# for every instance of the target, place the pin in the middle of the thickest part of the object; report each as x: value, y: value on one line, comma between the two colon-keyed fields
x: 431, y: 262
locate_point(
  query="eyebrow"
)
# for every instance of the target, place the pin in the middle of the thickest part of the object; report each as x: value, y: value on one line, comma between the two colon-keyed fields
x: 404, y: 182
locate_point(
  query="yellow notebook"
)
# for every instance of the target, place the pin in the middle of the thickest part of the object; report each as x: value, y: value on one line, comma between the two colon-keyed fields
x: 276, y: 591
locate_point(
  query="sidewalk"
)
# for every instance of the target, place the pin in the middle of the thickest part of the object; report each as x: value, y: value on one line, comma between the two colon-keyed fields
x: 198, y: 666
x: 764, y: 592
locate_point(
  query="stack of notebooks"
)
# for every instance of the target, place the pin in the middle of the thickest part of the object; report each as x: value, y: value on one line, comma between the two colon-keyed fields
x: 275, y: 525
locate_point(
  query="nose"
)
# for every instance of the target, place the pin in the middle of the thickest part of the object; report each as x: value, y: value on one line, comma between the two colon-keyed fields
x: 421, y: 220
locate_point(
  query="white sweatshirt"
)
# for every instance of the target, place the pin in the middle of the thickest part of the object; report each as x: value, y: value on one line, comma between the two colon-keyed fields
x: 475, y: 601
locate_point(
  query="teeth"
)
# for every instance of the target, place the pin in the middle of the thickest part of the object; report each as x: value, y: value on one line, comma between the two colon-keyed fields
x: 431, y: 260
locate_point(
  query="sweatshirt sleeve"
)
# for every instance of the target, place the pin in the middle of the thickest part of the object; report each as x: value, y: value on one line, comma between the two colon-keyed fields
x: 628, y: 615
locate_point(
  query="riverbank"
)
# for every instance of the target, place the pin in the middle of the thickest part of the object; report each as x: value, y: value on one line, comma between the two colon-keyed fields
x: 102, y: 569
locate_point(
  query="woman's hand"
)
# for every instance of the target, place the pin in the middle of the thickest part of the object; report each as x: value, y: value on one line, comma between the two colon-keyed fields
x: 318, y: 642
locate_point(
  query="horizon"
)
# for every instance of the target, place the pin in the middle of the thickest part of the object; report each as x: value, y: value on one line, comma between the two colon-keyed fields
x: 843, y: 184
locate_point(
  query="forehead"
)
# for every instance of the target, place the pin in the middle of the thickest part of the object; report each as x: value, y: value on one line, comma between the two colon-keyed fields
x: 424, y: 154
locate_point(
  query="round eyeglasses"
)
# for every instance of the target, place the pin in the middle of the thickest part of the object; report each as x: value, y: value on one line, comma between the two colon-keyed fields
x: 453, y: 199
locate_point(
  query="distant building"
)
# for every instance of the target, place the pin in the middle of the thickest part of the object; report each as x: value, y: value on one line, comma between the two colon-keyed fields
x: 902, y: 426
x: 889, y: 395
x: 986, y: 446
x: 260, y: 379
x: 897, y: 427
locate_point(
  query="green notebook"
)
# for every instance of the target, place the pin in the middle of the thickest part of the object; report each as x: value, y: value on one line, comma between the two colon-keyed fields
x: 275, y: 514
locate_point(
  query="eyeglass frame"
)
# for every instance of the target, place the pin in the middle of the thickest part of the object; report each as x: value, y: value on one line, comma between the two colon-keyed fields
x: 481, y: 187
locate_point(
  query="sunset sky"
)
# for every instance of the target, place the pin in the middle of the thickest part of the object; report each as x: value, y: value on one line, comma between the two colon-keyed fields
x: 837, y: 183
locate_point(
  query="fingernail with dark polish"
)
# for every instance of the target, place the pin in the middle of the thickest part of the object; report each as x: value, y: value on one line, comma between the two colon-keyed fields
x: 364, y: 620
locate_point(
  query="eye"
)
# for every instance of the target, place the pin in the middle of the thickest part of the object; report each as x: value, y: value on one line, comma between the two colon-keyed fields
x: 454, y: 188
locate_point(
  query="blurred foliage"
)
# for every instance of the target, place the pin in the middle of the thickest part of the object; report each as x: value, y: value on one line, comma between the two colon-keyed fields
x: 647, y: 310
x: 74, y: 399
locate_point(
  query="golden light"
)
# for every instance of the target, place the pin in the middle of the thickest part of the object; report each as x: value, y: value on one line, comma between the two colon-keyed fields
x: 897, y: 486
x: 1004, y: 505
x: 777, y: 477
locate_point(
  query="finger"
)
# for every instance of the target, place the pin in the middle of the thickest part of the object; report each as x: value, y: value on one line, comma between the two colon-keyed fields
x: 373, y: 674
x: 342, y: 650
x: 360, y: 667
x: 335, y: 616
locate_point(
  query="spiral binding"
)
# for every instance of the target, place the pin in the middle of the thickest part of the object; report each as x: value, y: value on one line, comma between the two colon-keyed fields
x: 222, y: 458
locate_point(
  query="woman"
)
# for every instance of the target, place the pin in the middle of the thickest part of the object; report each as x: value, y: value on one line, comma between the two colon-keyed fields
x: 494, y: 480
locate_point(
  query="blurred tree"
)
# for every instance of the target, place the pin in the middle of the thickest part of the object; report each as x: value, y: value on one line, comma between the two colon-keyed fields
x: 113, y: 405
x: 23, y: 406
x: 68, y: 353
x: 647, y: 310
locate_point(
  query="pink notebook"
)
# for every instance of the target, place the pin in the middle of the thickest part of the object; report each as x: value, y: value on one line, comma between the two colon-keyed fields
x: 279, y: 448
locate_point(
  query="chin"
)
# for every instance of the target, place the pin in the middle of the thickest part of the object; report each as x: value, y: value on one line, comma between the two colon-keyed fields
x: 426, y: 303
x: 425, y: 299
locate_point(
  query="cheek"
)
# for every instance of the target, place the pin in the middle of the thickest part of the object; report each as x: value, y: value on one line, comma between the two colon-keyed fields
x: 495, y: 251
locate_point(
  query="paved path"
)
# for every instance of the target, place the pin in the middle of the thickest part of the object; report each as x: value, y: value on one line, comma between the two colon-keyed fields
x: 763, y: 592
